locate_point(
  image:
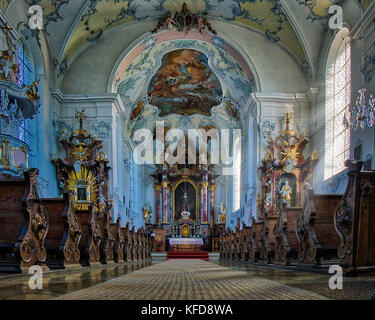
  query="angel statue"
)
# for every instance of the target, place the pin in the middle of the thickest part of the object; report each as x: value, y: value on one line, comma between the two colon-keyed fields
x: 286, y: 193
x: 147, y: 212
x: 222, y: 212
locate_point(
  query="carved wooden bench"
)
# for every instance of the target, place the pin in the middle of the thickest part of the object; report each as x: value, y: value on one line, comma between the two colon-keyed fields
x: 286, y: 240
x: 134, y: 245
x: 354, y: 220
x: 244, y: 242
x: 55, y: 241
x: 225, y: 245
x: 13, y: 219
x: 237, y: 249
x: 266, y: 240
x: 315, y: 228
x: 108, y: 237
x: 119, y: 249
x: 221, y: 247
x: 231, y: 246
x: 72, y: 235
x: 89, y: 245
x: 254, y: 247
x: 24, y: 224
x: 128, y: 244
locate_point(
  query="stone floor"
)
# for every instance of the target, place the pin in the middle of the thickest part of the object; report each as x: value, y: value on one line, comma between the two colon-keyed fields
x: 191, y: 280
x: 361, y: 287
x: 188, y: 279
x: 59, y: 282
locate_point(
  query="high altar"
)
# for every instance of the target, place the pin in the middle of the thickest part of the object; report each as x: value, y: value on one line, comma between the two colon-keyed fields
x: 185, y: 197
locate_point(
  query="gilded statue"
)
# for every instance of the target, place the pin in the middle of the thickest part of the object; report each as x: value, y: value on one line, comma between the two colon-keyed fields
x: 286, y: 193
x: 32, y: 93
x: 147, y: 212
x: 222, y: 212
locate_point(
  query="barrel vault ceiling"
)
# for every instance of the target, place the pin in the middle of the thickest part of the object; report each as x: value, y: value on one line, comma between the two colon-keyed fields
x: 71, y: 25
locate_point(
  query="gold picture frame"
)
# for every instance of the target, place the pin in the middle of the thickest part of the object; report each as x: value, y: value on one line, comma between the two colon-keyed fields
x: 196, y: 199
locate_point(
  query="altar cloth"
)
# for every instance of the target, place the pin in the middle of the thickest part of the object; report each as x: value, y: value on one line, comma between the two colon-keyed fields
x: 194, y: 241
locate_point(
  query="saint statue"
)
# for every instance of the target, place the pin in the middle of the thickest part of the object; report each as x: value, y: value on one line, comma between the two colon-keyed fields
x: 222, y: 212
x: 286, y: 193
x: 147, y: 212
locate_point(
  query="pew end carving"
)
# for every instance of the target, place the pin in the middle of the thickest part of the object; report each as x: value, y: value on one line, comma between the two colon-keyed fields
x: 354, y: 221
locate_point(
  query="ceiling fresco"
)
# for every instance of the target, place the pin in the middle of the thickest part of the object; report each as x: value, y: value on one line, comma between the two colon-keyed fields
x: 73, y: 24
x: 185, y: 84
x: 197, y: 73
x: 263, y: 15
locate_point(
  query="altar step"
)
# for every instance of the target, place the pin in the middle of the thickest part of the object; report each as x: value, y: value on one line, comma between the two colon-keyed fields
x: 187, y: 255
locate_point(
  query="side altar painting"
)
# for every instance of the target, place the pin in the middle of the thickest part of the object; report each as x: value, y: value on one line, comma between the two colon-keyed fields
x: 284, y: 170
x: 185, y: 84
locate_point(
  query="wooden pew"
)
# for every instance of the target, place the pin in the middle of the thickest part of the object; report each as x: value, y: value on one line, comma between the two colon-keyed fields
x: 254, y: 246
x: 315, y: 228
x: 119, y: 250
x: 146, y: 250
x: 286, y: 240
x: 149, y: 245
x: 231, y: 246
x: 89, y: 244
x: 24, y: 224
x: 144, y: 258
x: 244, y: 242
x: 72, y: 235
x: 237, y: 250
x: 225, y: 246
x: 134, y: 248
x: 137, y: 242
x: 354, y: 220
x: 128, y: 244
x: 13, y: 219
x: 221, y: 247
x: 266, y: 240
x: 108, y: 241
x: 54, y: 241
x: 228, y: 251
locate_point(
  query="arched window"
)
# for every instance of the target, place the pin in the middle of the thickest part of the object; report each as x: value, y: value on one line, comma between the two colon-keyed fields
x: 26, y: 131
x: 338, y: 95
x: 25, y: 63
x: 237, y: 175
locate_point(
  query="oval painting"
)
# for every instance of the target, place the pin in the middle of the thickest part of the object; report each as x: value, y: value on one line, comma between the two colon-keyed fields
x: 184, y: 84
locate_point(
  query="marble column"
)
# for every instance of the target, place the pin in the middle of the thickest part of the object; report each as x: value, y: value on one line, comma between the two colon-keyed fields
x: 205, y: 201
x: 158, y: 203
x: 165, y: 201
x: 212, y: 204
x: 201, y: 203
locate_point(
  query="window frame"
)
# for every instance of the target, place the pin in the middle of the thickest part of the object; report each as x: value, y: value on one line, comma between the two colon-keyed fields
x: 341, y: 45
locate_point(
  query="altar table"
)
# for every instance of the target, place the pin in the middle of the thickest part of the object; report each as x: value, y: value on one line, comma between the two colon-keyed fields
x: 185, y: 244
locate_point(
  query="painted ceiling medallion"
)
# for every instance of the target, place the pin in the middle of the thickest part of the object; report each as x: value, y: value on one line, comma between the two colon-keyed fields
x: 184, y: 20
x: 185, y: 84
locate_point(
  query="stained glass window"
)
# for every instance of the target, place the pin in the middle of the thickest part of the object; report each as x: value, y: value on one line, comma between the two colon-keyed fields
x: 338, y: 97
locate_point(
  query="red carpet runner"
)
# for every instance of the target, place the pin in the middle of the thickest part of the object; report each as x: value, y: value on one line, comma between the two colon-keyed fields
x: 187, y: 255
